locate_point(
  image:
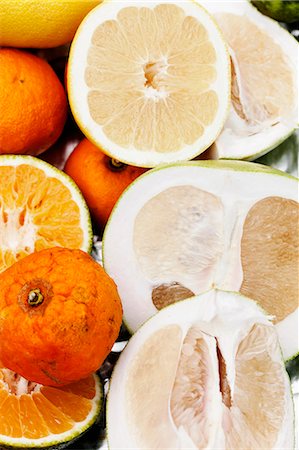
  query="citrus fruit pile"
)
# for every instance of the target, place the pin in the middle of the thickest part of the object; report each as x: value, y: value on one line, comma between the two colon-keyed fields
x: 116, y: 121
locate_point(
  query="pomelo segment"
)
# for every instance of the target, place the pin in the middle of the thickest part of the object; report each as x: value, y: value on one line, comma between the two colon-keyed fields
x: 196, y: 376
x: 40, y: 207
x: 198, y: 225
x: 36, y: 416
x: 264, y: 93
x: 149, y: 82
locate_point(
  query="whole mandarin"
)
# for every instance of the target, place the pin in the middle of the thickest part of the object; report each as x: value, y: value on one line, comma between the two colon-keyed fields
x: 100, y: 178
x: 60, y: 314
x: 33, y: 103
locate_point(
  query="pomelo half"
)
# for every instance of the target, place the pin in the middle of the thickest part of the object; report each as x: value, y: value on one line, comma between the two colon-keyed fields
x: 264, y: 92
x: 40, y: 207
x: 205, y: 373
x: 37, y: 416
x: 182, y: 229
x: 149, y: 82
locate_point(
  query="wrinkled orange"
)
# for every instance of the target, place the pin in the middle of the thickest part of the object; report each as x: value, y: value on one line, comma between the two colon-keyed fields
x: 33, y: 103
x: 100, y: 178
x: 60, y: 314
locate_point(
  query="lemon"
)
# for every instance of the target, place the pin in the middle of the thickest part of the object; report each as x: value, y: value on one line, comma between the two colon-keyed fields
x: 41, y: 24
x: 149, y: 82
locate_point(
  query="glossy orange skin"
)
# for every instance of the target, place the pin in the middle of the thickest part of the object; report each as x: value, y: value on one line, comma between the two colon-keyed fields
x: 33, y: 103
x: 68, y: 335
x: 100, y: 183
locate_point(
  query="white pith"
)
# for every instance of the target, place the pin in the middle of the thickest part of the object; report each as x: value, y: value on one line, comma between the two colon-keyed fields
x: 78, y: 89
x: 16, y: 236
x: 229, y: 317
x: 53, y: 439
x: 238, y: 190
x: 237, y: 141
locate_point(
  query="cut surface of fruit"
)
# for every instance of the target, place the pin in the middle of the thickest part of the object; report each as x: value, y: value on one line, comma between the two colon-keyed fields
x: 196, y: 225
x: 206, y: 363
x: 33, y: 415
x: 264, y: 93
x: 40, y: 207
x: 149, y: 82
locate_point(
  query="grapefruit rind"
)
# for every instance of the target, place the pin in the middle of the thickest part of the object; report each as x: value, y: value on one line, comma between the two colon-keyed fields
x: 77, y: 88
x: 53, y: 172
x: 253, y: 182
x: 63, y: 439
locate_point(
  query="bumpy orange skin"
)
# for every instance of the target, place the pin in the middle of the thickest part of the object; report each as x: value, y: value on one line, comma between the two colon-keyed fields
x: 99, y: 181
x: 68, y: 335
x: 33, y: 103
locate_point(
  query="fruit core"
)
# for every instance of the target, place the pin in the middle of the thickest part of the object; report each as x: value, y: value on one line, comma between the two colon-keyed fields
x: 15, y: 384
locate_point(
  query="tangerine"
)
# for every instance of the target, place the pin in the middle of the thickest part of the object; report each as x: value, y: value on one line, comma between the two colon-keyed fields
x: 100, y: 178
x: 60, y: 314
x: 33, y: 103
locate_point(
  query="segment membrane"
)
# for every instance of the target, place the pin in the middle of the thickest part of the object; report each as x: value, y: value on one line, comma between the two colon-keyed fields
x: 259, y: 395
x: 258, y: 97
x: 185, y: 240
x: 269, y: 255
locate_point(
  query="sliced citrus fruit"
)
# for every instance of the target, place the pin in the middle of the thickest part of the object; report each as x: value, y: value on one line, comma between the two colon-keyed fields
x: 149, y: 82
x: 36, y: 416
x: 264, y: 56
x: 214, y: 379
x: 40, y: 207
x: 195, y: 225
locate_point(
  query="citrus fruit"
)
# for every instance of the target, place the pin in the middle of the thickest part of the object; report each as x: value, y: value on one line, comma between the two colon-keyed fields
x: 214, y: 379
x: 41, y: 24
x: 36, y: 416
x: 40, y: 207
x: 191, y: 226
x: 33, y: 103
x: 60, y: 314
x: 283, y: 11
x: 100, y: 178
x: 264, y: 93
x: 149, y: 83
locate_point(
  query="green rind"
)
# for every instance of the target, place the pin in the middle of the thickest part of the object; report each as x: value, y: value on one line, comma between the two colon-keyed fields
x: 262, y: 152
x: 36, y: 162
x: 56, y: 444
x: 283, y: 11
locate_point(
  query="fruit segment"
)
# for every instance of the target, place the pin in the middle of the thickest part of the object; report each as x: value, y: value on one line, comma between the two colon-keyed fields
x: 269, y: 254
